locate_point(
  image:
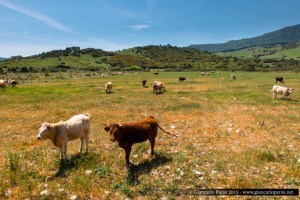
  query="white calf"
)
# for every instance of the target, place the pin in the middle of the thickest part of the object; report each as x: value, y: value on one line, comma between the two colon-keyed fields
x: 108, y: 87
x: 62, y: 132
x: 281, y: 90
x: 158, y: 86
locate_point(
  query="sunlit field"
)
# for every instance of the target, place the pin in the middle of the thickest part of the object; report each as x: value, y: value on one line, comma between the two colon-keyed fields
x: 230, y: 134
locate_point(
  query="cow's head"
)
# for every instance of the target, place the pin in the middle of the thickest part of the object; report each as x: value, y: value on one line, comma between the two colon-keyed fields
x: 290, y: 90
x: 44, y: 131
x: 116, y: 131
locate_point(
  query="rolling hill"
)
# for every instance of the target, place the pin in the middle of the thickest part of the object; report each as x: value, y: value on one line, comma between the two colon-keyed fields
x: 279, y: 51
x: 282, y: 36
x: 168, y: 58
x: 139, y: 58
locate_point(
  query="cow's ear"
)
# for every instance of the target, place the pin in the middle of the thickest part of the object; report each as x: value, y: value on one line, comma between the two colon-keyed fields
x: 107, y: 128
x: 50, y: 127
x: 120, y: 127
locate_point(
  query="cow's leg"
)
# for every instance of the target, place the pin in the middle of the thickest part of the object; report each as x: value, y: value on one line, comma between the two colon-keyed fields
x: 86, y: 137
x: 64, y: 151
x: 81, y: 143
x: 152, y: 143
x: 61, y: 154
x: 127, y: 154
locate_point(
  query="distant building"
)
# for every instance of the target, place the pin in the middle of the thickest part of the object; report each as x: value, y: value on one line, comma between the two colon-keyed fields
x: 72, y: 50
x: 16, y: 57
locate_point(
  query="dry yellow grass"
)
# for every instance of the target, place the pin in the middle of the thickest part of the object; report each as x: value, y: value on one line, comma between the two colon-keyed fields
x: 231, y: 135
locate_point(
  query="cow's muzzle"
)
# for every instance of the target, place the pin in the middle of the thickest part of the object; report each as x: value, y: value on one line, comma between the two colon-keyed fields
x: 39, y: 138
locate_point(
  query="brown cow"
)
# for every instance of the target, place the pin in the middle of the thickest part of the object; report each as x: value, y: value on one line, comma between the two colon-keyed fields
x: 135, y: 132
x: 2, y: 85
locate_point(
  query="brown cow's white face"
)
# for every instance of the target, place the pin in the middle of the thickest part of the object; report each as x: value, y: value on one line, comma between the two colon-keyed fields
x: 44, y: 130
x: 115, y: 131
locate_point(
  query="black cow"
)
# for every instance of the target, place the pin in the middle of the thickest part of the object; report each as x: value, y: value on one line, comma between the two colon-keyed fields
x: 156, y: 73
x: 13, y: 83
x: 182, y: 79
x: 280, y: 79
x: 144, y: 83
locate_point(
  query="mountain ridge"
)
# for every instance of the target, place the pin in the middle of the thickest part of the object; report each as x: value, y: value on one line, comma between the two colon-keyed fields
x: 281, y: 36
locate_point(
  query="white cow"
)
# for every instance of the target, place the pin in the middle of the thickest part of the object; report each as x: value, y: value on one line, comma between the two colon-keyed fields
x: 233, y: 76
x: 281, y: 90
x: 108, y: 87
x: 158, y: 86
x: 64, y: 131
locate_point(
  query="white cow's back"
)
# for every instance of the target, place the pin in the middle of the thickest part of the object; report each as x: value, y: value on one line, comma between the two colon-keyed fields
x: 77, y: 125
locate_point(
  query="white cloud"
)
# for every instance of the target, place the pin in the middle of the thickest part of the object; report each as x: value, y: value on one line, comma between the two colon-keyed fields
x: 138, y: 27
x: 39, y: 16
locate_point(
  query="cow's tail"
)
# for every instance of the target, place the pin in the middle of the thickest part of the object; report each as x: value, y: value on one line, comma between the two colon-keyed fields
x: 88, y: 115
x: 165, y: 131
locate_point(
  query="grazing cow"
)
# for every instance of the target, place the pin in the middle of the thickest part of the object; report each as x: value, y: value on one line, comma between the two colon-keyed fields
x: 281, y: 90
x: 108, y: 87
x: 182, y: 79
x: 13, y: 83
x: 62, y: 132
x: 202, y: 73
x: 130, y: 133
x: 2, y: 85
x: 158, y: 87
x: 144, y: 83
x: 280, y: 79
x: 156, y: 73
x: 233, y: 76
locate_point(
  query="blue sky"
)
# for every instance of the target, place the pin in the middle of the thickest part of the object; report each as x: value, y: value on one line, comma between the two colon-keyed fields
x: 29, y: 27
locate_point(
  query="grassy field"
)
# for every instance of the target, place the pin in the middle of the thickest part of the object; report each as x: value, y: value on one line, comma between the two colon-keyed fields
x: 231, y: 134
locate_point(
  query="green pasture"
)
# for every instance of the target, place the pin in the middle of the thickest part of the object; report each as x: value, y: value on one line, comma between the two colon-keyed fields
x: 261, y: 150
